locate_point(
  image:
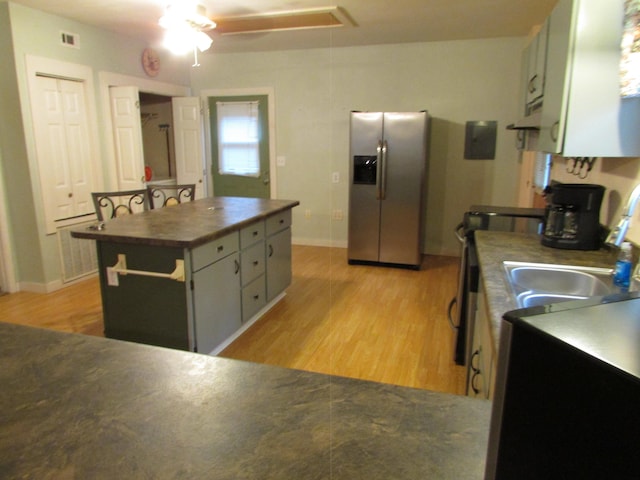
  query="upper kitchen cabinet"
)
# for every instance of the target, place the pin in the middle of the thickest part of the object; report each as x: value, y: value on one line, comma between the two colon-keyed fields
x: 535, y: 58
x: 582, y: 112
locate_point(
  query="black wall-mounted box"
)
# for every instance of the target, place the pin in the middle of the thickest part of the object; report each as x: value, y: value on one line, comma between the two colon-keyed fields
x: 480, y: 140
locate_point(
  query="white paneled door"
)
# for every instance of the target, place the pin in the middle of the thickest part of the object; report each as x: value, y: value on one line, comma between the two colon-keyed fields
x: 189, y: 143
x: 63, y: 149
x: 127, y: 129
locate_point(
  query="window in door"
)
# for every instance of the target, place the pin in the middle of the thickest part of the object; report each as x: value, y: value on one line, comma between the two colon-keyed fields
x: 240, y: 146
x: 238, y: 138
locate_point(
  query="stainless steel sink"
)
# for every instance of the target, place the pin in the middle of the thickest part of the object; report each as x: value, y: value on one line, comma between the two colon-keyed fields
x: 542, y: 283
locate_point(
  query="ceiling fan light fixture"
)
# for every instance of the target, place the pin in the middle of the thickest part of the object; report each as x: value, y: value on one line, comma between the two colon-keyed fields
x: 203, y: 41
x: 179, y: 40
x: 185, y: 27
x: 183, y: 13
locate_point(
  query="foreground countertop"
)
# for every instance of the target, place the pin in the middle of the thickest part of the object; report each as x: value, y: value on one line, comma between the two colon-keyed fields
x: 189, y: 224
x: 75, y: 406
x: 495, y: 247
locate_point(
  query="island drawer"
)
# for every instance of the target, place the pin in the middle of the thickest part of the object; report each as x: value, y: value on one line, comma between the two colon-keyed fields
x: 213, y: 251
x: 278, y: 222
x: 252, y: 234
x: 253, y: 298
x: 252, y: 261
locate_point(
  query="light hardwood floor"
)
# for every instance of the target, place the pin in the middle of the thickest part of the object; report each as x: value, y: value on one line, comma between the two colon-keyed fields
x: 374, y: 323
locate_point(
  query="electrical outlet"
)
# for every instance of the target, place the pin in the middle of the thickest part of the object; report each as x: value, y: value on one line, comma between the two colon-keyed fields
x: 335, y: 177
x: 281, y: 160
x: 112, y: 277
x: 307, y: 213
x: 337, y: 214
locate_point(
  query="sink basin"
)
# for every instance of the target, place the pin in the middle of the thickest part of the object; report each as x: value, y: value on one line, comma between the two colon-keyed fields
x: 539, y: 283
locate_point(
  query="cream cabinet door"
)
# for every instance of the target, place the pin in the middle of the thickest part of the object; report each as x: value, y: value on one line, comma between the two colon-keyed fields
x: 127, y: 129
x: 63, y: 147
x: 189, y: 143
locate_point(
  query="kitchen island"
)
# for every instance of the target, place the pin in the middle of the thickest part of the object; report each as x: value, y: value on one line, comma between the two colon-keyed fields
x: 194, y: 275
x: 76, y: 406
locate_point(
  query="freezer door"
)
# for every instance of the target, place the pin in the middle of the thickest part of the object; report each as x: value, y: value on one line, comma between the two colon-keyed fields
x: 405, y: 137
x: 364, y: 178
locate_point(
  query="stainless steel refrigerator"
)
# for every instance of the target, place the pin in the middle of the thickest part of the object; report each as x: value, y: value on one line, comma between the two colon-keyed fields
x: 388, y: 158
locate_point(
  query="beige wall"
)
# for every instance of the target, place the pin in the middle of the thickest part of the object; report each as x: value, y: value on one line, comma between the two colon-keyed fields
x: 315, y: 90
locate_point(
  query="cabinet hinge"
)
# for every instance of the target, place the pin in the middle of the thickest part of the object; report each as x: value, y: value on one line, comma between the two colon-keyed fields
x: 191, y: 284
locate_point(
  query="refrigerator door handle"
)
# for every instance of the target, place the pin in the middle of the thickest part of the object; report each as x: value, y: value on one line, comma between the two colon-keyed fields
x: 383, y: 180
x: 379, y: 171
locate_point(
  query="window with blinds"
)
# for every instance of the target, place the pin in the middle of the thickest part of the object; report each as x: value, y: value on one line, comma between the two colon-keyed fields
x: 238, y: 138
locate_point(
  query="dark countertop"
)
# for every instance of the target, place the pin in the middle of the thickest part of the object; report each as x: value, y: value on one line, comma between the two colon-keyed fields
x: 189, y: 224
x: 495, y: 247
x: 75, y: 406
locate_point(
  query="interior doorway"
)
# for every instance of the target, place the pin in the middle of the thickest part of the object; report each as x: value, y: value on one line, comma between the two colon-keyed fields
x: 157, y: 137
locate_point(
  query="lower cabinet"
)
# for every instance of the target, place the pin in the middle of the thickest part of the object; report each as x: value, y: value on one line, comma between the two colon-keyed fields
x: 216, y: 303
x: 252, y: 271
x: 233, y: 289
x: 278, y: 254
x: 482, y: 365
x: 253, y: 298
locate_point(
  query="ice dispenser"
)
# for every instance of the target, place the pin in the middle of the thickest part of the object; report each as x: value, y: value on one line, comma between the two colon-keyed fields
x: 365, y: 169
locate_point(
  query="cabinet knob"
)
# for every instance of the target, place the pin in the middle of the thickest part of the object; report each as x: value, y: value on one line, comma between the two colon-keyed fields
x: 70, y: 194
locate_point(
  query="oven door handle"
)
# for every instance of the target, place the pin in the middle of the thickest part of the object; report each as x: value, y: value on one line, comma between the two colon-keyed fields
x: 452, y: 303
x: 459, y: 232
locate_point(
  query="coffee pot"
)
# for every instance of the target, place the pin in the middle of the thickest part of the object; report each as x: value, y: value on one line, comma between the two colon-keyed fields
x: 572, y: 216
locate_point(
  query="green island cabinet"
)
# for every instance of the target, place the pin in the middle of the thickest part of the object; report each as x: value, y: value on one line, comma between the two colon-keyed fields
x: 193, y: 276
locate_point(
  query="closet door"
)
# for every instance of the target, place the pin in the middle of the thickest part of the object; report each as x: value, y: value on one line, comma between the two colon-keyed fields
x: 63, y: 149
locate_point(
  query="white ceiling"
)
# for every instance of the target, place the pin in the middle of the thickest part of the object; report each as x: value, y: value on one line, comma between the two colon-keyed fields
x: 377, y: 21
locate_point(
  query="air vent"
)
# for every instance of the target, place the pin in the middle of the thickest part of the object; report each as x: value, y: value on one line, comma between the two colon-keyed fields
x: 70, y: 39
x: 78, y: 256
x: 287, y: 20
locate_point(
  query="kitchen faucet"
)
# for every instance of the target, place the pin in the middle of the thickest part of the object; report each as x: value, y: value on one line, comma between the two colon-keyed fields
x: 617, y: 234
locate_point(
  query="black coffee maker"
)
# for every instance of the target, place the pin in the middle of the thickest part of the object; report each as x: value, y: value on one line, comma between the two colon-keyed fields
x: 572, y: 216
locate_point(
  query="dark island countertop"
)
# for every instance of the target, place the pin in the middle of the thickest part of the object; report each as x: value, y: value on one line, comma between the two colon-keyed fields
x: 189, y: 224
x: 496, y: 247
x: 75, y: 406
